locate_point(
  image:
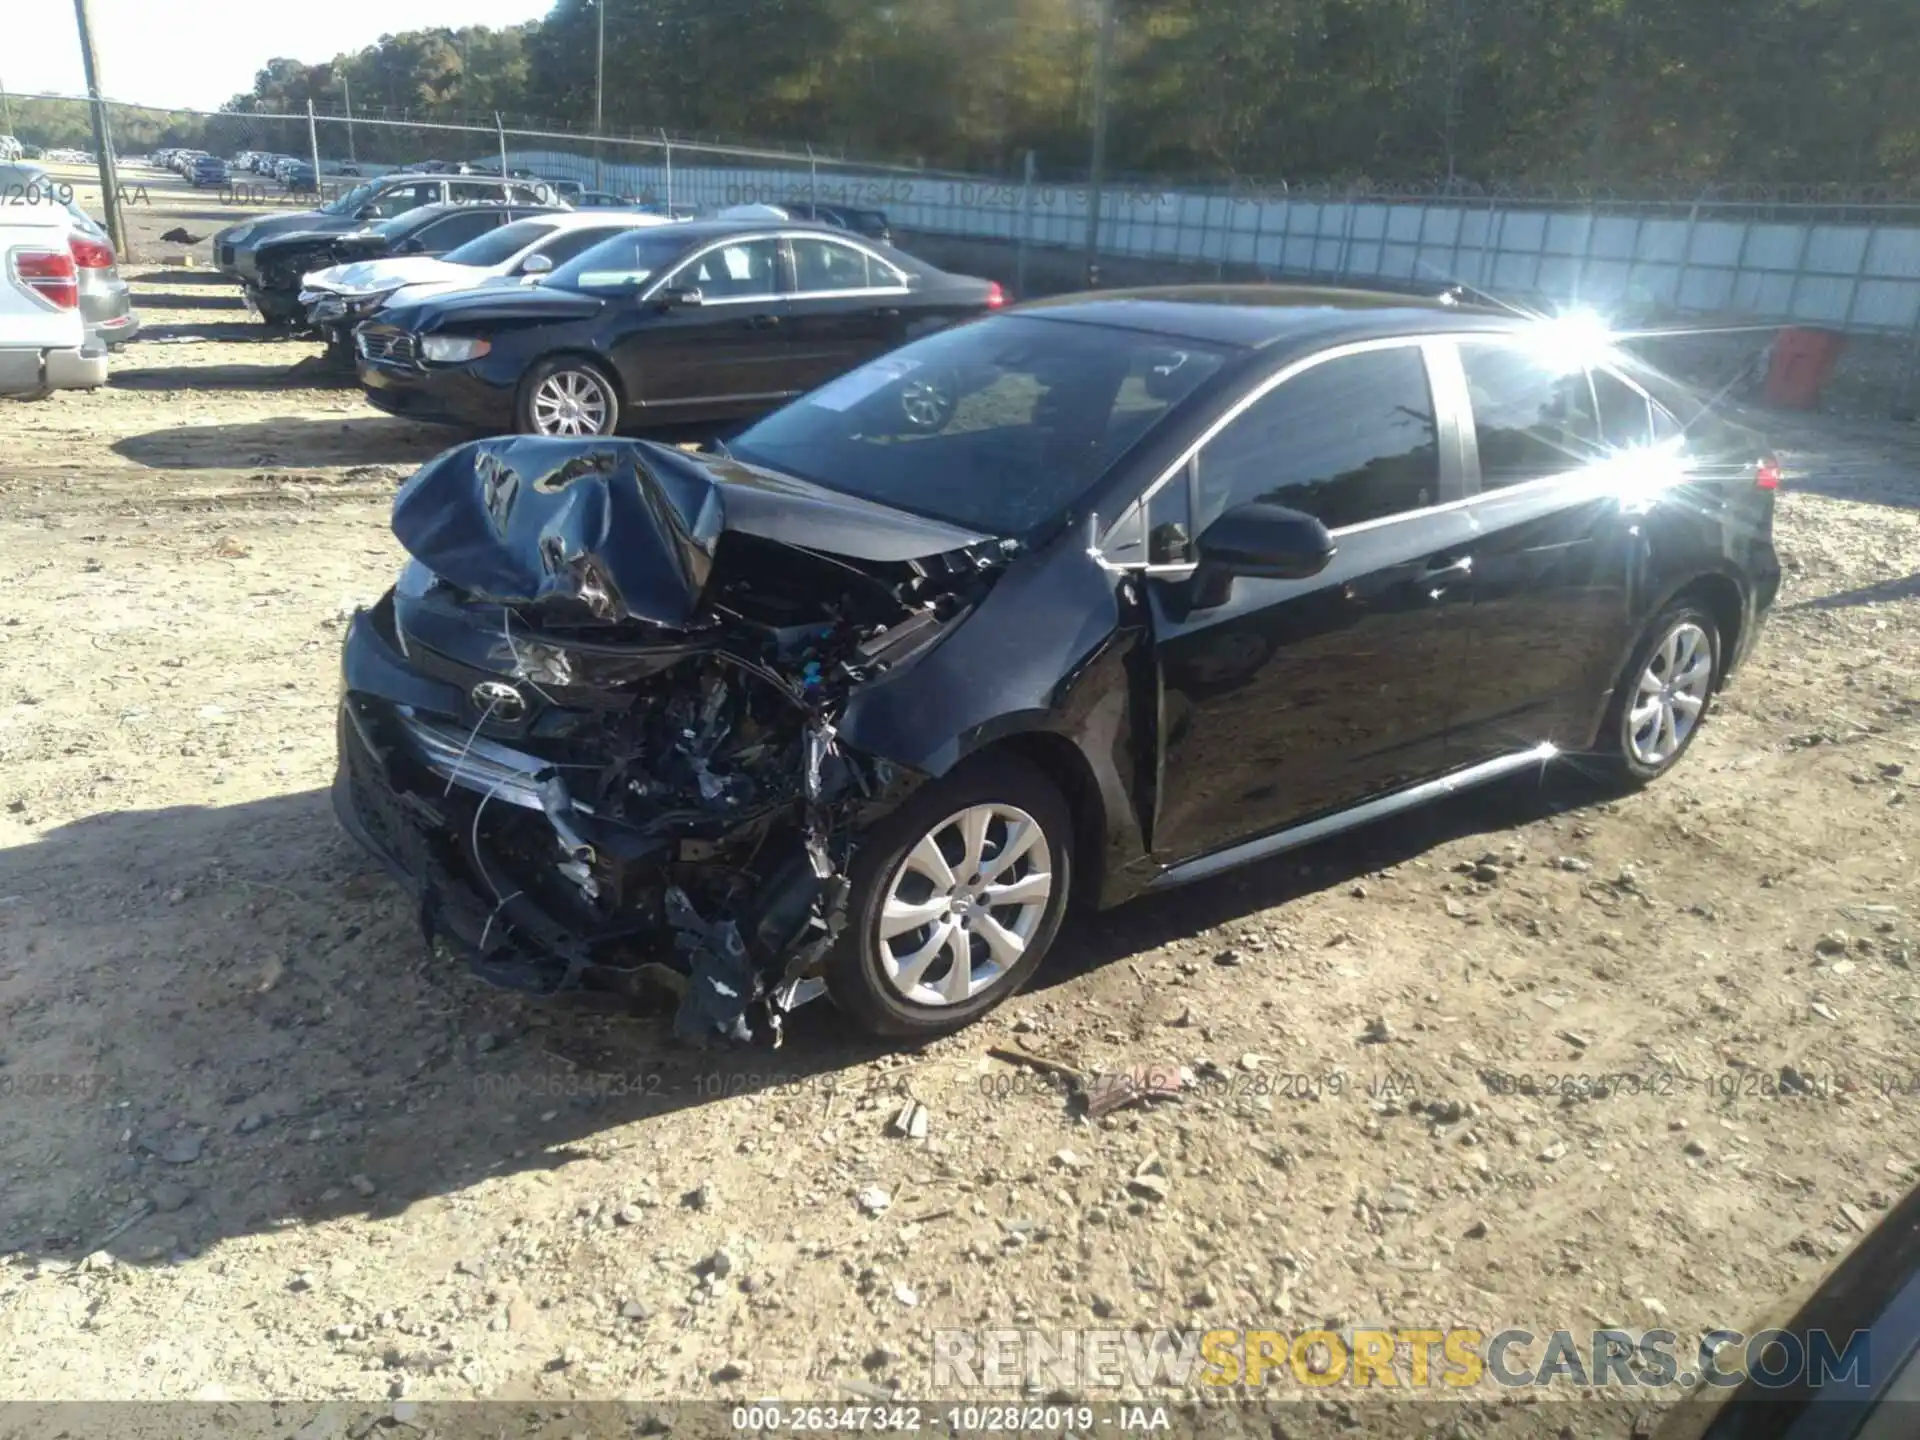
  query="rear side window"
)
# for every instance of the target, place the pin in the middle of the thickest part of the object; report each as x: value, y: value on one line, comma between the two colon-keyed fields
x: 403, y: 198
x: 1532, y: 418
x: 1350, y: 440
x: 1626, y: 420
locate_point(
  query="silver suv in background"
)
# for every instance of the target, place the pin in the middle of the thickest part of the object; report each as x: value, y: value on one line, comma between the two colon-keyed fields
x: 106, y: 301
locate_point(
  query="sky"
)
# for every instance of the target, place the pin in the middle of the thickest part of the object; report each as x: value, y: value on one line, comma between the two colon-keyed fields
x: 201, y: 53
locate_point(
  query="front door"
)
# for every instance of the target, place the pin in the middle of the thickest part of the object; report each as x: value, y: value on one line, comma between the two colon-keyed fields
x: 845, y: 308
x: 1295, y: 698
x: 727, y: 350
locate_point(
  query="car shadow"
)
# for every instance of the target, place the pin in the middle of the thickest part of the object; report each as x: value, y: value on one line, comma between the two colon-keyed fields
x: 1878, y: 593
x: 293, y: 441
x: 1157, y: 919
x: 223, y: 1021
x: 305, y: 375
x: 207, y: 278
x: 231, y: 331
x: 180, y: 300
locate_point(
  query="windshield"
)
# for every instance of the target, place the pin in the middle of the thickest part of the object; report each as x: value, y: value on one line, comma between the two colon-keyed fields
x: 623, y: 263
x: 349, y: 203
x: 496, y: 247
x: 998, y: 425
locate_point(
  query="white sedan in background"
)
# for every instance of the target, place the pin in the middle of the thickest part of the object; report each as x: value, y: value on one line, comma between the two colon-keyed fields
x: 341, y: 296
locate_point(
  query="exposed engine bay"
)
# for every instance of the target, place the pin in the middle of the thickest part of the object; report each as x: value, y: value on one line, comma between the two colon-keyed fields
x: 594, y: 724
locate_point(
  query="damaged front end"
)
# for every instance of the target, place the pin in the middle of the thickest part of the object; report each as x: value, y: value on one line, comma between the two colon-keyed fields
x: 593, y: 727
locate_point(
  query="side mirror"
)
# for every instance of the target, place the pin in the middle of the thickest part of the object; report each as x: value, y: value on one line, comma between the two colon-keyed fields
x: 412, y: 245
x: 1267, y: 541
x: 681, y: 297
x: 367, y: 212
x: 536, y: 265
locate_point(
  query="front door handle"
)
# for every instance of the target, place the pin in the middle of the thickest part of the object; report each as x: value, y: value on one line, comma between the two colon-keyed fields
x: 886, y: 312
x: 762, y: 322
x: 1445, y: 568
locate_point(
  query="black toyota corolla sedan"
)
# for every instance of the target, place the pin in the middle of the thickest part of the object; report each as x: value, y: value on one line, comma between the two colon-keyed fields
x: 708, y: 320
x: 1086, y: 599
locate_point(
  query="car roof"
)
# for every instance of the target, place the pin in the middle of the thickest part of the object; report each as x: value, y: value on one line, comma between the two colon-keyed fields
x: 717, y: 229
x: 1256, y: 317
x: 421, y: 214
x: 594, y: 217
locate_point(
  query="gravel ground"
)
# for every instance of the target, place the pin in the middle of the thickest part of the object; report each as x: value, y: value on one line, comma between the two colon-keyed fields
x: 257, y: 1144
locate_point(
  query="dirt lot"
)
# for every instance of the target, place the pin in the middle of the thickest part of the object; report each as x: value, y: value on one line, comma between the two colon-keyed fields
x: 255, y: 1144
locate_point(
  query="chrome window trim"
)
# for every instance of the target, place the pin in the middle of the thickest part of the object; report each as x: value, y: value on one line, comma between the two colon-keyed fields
x: 900, y: 286
x: 780, y: 238
x: 1445, y: 418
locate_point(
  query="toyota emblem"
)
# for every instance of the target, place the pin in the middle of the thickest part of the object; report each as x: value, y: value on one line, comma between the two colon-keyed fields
x: 497, y: 700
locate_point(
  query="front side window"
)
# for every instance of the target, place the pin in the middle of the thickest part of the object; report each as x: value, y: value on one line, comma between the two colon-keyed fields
x: 1349, y: 440
x: 821, y: 265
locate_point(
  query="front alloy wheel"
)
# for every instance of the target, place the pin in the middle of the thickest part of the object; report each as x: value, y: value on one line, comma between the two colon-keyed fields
x: 569, y: 399
x: 965, y: 904
x: 956, y: 897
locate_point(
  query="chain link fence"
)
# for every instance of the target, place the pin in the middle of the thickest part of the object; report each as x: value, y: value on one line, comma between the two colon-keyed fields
x: 1724, y: 255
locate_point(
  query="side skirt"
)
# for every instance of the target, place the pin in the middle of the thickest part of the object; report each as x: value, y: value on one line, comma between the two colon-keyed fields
x: 1363, y: 814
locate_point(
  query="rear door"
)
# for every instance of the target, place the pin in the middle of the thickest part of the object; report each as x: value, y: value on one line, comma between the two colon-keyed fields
x: 1294, y: 698
x: 1554, y: 451
x: 729, y: 349
x: 845, y: 306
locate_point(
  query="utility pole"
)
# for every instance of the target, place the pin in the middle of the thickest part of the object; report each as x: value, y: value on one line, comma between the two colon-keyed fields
x: 599, y: 88
x: 346, y: 88
x: 6, y: 110
x: 1096, y: 173
x: 313, y: 144
x: 102, y: 133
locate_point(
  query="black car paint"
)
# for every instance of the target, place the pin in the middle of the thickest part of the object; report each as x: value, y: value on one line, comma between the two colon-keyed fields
x: 237, y: 262
x: 282, y: 260
x: 711, y: 362
x: 1182, y: 723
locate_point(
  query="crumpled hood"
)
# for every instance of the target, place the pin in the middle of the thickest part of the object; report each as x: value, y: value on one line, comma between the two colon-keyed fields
x: 628, y: 527
x: 363, y: 276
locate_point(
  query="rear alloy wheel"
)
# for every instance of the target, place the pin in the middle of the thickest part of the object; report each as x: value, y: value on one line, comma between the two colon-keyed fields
x: 567, y: 397
x: 1664, y: 694
x: 956, y: 898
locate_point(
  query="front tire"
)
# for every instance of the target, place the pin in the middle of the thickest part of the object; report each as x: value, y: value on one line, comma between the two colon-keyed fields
x: 566, y: 396
x: 1663, y: 695
x: 956, y: 898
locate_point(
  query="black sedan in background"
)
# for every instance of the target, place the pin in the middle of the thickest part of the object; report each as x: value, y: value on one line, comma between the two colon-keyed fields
x: 281, y: 260
x: 707, y: 320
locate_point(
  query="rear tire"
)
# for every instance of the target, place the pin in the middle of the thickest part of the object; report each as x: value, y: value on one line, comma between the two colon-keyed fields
x: 1663, y: 696
x: 974, y: 871
x: 566, y: 396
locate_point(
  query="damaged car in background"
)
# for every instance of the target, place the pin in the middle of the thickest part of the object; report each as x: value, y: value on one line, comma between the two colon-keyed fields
x: 1086, y: 599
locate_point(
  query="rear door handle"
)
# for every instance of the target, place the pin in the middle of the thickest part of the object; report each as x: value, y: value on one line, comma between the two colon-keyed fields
x: 886, y: 312
x: 1440, y: 569
x: 762, y: 322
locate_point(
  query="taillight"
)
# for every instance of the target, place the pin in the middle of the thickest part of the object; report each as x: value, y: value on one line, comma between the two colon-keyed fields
x: 1766, y: 475
x: 996, y: 297
x: 48, y: 274
x: 90, y: 254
